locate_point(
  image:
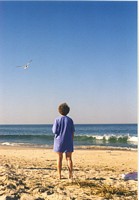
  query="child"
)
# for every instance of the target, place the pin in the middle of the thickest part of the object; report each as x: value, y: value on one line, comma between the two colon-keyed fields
x: 63, y: 128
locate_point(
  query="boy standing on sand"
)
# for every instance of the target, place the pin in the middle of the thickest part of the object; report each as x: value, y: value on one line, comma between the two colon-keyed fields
x: 63, y: 128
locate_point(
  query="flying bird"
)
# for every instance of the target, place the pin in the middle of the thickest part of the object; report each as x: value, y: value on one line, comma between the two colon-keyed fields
x: 26, y: 65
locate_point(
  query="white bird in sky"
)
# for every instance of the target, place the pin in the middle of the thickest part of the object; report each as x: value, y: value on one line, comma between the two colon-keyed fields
x: 26, y: 65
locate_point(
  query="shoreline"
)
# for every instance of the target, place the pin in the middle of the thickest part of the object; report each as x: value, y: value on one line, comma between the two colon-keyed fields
x: 82, y: 147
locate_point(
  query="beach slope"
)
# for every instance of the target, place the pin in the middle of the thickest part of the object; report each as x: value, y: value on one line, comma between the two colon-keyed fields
x: 30, y: 174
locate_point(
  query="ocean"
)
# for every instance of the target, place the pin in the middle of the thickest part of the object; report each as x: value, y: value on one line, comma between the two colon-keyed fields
x: 105, y: 135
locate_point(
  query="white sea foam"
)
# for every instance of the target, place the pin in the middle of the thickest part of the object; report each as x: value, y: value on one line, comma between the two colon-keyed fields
x: 14, y: 144
x: 8, y: 144
x: 133, y: 139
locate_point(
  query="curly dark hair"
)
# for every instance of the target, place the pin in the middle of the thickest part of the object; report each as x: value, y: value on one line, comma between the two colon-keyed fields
x: 63, y: 109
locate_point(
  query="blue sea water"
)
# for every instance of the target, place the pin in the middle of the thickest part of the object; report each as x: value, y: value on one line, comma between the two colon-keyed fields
x: 114, y: 135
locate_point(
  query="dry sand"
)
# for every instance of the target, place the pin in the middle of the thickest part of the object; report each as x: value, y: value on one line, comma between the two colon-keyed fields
x: 30, y: 174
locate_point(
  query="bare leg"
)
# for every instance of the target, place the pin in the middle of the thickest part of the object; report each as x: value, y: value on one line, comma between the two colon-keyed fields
x: 69, y: 163
x: 59, y: 163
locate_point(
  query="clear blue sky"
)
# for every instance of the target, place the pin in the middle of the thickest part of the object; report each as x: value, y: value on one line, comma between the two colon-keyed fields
x: 83, y: 53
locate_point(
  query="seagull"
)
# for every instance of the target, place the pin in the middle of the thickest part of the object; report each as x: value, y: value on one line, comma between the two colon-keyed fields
x: 26, y: 65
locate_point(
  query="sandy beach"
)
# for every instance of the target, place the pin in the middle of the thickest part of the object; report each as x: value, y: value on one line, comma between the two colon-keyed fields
x: 30, y: 174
